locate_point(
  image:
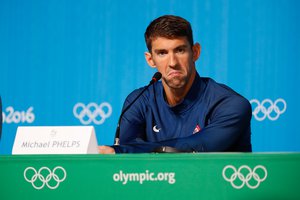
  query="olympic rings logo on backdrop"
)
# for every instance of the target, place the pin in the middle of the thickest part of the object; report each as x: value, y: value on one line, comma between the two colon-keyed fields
x: 238, y: 179
x: 268, y: 109
x: 43, y: 177
x: 92, y: 112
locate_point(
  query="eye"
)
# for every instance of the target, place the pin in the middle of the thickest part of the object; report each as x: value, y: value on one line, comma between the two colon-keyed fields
x: 180, y: 50
x: 161, y: 53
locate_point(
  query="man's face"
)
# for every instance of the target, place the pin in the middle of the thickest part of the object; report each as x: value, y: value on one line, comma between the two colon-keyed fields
x: 175, y: 60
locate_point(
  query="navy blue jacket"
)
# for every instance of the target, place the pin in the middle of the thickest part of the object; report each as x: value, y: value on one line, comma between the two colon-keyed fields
x: 211, y: 118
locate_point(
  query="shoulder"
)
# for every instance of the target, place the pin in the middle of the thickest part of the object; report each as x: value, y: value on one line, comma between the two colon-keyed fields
x: 147, y: 94
x: 132, y: 95
x: 216, y: 91
x: 226, y: 99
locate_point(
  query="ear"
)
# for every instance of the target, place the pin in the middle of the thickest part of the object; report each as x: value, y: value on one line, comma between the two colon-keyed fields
x: 149, y: 59
x: 196, y: 51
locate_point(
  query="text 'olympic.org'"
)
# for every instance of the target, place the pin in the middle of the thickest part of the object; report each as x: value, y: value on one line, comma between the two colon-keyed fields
x: 144, y: 176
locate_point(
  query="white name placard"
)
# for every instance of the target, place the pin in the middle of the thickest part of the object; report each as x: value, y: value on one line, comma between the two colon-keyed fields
x: 55, y: 140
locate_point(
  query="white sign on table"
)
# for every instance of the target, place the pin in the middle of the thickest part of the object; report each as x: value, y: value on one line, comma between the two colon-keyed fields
x: 55, y: 140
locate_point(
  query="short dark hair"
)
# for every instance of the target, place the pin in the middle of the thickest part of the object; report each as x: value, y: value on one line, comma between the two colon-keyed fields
x: 168, y: 26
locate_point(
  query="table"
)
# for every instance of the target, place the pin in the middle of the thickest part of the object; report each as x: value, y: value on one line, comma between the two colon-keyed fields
x: 218, y: 176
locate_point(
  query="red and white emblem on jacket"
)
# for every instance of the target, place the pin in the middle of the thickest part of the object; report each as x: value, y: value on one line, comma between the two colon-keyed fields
x: 197, y: 129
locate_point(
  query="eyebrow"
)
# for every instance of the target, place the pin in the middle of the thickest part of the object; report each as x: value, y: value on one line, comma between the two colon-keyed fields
x: 182, y: 46
x: 178, y: 47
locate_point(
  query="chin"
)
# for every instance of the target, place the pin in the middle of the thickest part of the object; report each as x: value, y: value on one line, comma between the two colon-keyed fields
x: 175, y: 82
x: 176, y: 85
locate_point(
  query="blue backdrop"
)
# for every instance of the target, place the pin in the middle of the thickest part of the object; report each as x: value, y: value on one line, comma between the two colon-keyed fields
x: 66, y: 62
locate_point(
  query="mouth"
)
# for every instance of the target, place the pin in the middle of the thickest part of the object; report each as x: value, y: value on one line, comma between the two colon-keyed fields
x: 174, y: 73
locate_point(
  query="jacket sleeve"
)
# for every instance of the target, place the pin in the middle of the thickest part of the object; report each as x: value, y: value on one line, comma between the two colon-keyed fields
x: 228, y: 121
x: 132, y: 128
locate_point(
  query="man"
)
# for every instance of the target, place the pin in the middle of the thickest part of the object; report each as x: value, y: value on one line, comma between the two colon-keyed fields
x: 184, y: 110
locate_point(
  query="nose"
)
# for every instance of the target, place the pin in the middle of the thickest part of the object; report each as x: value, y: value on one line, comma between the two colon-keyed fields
x: 173, y: 60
